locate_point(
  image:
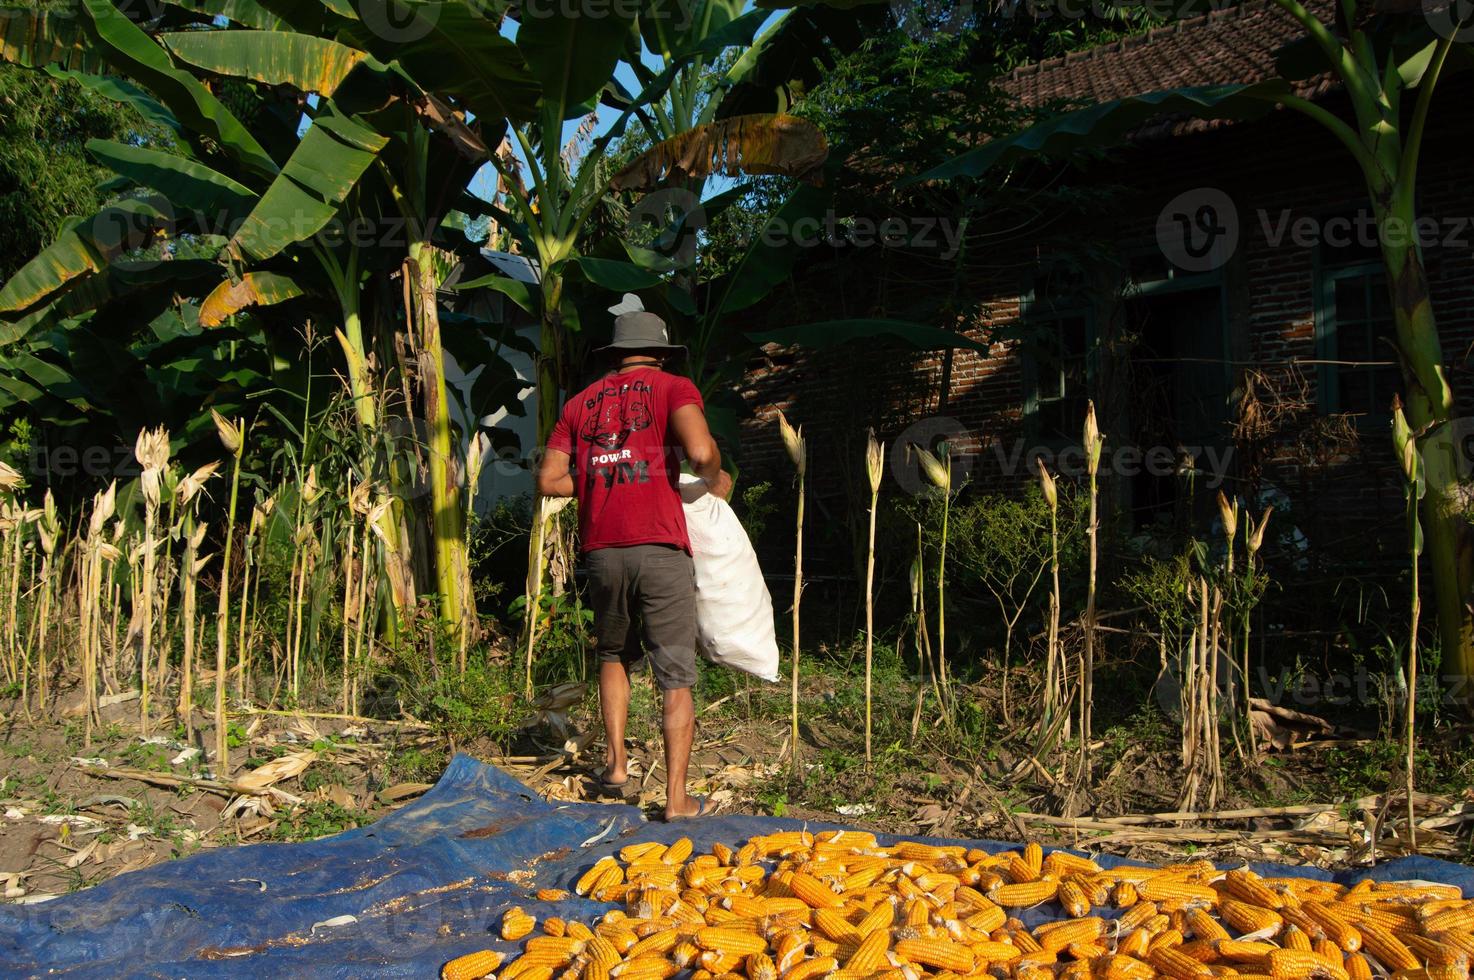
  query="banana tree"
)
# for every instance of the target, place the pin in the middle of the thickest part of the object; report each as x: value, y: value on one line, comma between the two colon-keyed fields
x: 1389, y: 66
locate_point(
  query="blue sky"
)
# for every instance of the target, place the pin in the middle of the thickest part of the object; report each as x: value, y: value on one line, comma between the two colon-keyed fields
x: 484, y: 183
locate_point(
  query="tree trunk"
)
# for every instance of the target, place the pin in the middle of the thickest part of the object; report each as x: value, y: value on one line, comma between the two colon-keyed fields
x: 1430, y: 403
x: 452, y: 573
x: 550, y: 357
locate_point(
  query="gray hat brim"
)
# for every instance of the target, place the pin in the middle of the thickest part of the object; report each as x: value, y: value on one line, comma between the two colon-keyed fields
x: 675, y: 350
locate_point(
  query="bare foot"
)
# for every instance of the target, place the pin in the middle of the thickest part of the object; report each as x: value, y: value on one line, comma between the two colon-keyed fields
x: 614, y: 774
x: 692, y: 806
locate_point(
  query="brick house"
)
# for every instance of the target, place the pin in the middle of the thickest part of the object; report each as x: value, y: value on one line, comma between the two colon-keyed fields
x: 1264, y: 353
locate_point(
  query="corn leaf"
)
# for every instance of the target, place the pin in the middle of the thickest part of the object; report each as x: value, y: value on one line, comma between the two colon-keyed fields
x: 190, y: 185
x: 84, y: 247
x: 323, y: 169
x: 757, y: 144
x: 35, y: 38
x: 134, y: 54
x: 253, y: 289
x: 451, y: 49
x: 310, y: 64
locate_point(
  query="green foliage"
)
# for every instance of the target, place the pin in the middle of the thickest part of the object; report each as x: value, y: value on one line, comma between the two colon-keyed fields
x: 754, y: 508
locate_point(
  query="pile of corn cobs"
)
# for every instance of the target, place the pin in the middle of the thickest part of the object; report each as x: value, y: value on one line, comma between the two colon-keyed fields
x: 837, y: 905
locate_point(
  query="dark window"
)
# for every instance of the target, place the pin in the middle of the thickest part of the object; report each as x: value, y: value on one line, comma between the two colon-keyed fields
x: 1357, y: 332
x: 1060, y: 360
x: 1058, y: 347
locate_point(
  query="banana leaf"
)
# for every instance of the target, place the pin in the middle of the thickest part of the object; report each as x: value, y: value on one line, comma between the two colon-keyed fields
x: 310, y: 64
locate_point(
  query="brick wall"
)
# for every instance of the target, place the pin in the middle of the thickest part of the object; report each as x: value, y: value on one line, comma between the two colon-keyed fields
x: 1344, y: 486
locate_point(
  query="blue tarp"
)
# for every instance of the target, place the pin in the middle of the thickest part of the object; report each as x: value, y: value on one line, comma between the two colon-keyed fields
x: 424, y: 884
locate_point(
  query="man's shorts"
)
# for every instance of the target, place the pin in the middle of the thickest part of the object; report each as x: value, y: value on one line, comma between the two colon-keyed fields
x: 657, y: 584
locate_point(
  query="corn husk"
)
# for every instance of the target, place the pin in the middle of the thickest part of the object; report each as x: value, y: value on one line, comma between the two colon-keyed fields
x: 938, y: 474
x: 10, y: 477
x: 793, y: 441
x: 310, y: 488
x: 292, y: 764
x: 228, y: 431
x: 1046, y: 482
x: 195, y: 482
x: 1254, y: 533
x: 1405, y: 442
x: 103, y: 506
x: 1229, y: 513
x: 151, y: 449
x: 874, y: 462
x: 1094, y: 441
x: 361, y: 499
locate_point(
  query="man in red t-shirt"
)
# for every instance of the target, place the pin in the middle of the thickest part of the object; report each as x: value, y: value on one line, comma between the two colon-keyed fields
x: 618, y: 448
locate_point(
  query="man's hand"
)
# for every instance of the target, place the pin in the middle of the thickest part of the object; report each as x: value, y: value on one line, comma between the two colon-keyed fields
x: 555, y: 476
x: 722, y: 486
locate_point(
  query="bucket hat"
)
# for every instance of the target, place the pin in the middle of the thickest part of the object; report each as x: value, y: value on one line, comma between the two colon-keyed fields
x: 637, y: 329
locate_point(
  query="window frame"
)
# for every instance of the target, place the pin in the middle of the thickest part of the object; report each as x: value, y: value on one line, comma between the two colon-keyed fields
x: 1035, y: 315
x: 1327, y: 338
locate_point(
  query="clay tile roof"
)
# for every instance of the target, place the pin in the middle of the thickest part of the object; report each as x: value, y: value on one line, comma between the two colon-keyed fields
x: 1225, y: 47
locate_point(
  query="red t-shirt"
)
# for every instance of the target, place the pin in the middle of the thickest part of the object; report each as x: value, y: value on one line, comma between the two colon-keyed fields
x: 626, y: 459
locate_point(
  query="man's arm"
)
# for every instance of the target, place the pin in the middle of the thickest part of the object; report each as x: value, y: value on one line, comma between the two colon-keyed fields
x: 555, y: 475
x: 701, y: 449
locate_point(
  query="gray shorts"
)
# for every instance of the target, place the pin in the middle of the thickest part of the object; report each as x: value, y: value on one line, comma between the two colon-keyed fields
x: 657, y: 584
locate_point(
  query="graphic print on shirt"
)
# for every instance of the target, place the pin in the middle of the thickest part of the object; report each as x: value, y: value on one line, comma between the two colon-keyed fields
x: 610, y: 420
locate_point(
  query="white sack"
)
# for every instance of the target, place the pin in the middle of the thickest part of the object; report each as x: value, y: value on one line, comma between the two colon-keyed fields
x: 734, y: 613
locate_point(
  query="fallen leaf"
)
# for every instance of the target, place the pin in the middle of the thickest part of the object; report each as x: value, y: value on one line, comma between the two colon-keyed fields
x: 276, y: 770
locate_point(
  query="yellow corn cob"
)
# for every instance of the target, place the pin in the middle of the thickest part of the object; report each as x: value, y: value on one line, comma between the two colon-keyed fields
x: 917, y: 851
x: 622, y: 939
x: 790, y: 949
x: 1243, y: 951
x: 1020, y: 871
x: 760, y: 967
x: 516, y: 923
x: 1072, y: 899
x: 1166, y: 939
x: 869, y: 956
x: 1328, y: 949
x: 472, y: 966
x: 833, y: 924
x: 860, y: 878
x: 1292, y: 964
x: 1136, y: 943
x: 1172, y: 962
x: 1202, y: 950
x: 1461, y: 941
x: 938, y: 953
x: 645, y: 851
x: 1163, y: 887
x: 587, y: 879
x: 1204, y: 926
x: 551, y: 894
x: 1117, y: 967
x: 1333, y: 925
x: 554, y: 926
x: 1459, y: 919
x: 1124, y: 895
x: 1034, y: 857
x: 1394, y: 891
x: 645, y: 968
x: 686, y: 953
x: 1248, y: 918
x: 1025, y: 942
x: 917, y: 914
x: 1294, y: 938
x: 877, y: 919
x: 1057, y: 936
x: 1246, y: 886
x: 1075, y: 970
x: 823, y: 947
x: 1024, y: 895
x: 1433, y: 952
x: 717, y: 962
x: 535, y: 973
x: 809, y: 969
x: 1390, y: 951
x: 563, y: 948
x: 813, y: 891
x: 578, y: 931
x: 654, y: 944
x: 729, y: 940
x: 1062, y: 863
x: 995, y: 952
x: 1357, y: 967
x: 678, y: 852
